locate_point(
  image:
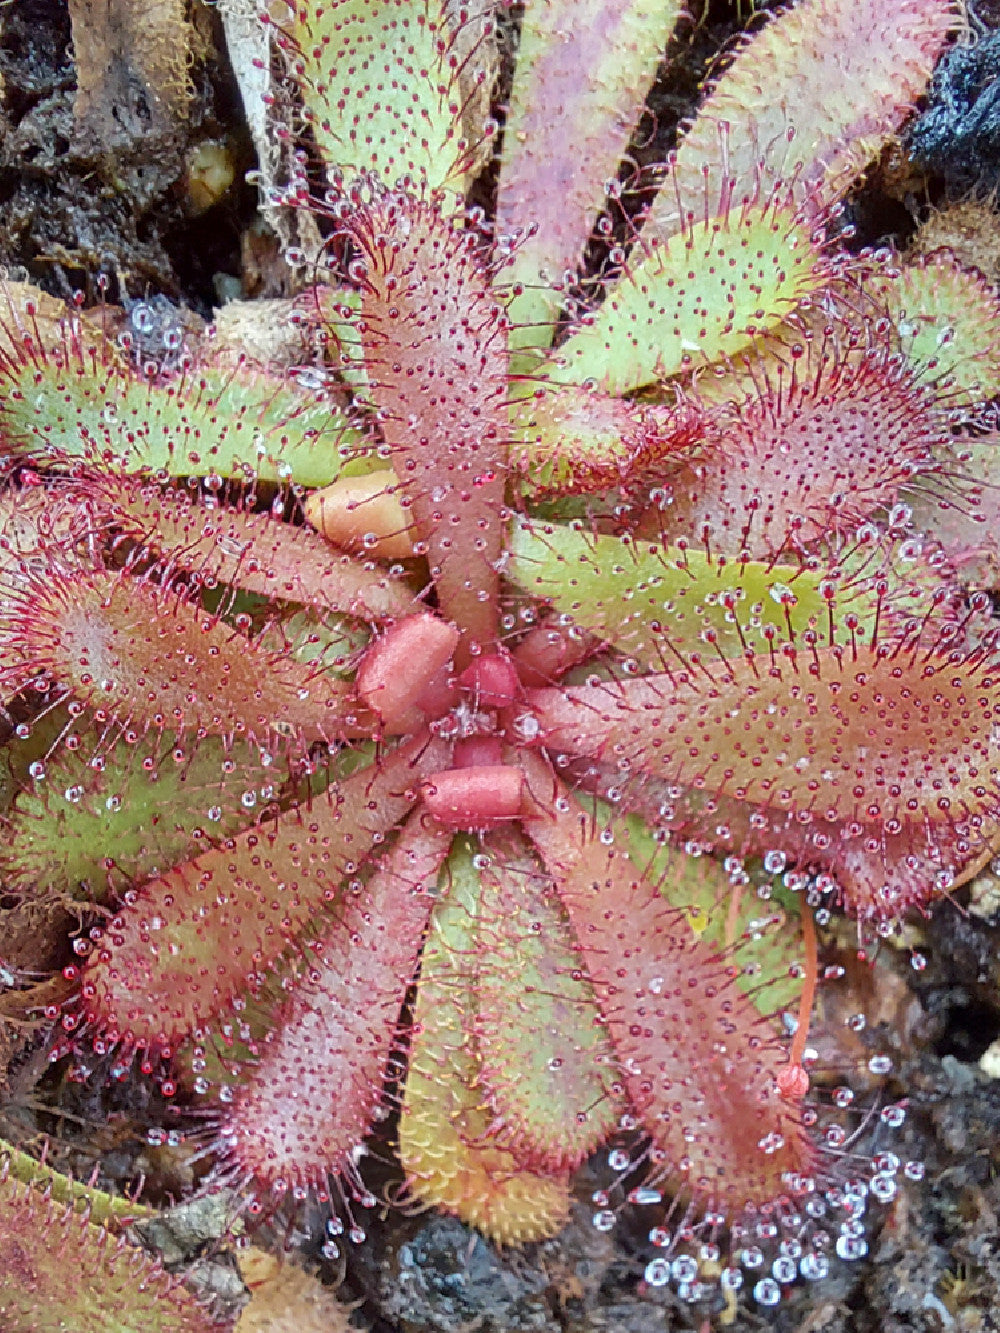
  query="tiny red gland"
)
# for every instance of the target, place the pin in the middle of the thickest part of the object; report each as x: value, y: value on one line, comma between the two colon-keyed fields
x: 793, y: 1083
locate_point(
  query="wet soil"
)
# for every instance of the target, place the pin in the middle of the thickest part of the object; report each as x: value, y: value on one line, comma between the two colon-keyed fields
x: 73, y: 207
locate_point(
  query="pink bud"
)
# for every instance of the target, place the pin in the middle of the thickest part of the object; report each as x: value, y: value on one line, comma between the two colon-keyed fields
x: 474, y: 798
x: 399, y: 667
x: 492, y: 679
x: 478, y: 752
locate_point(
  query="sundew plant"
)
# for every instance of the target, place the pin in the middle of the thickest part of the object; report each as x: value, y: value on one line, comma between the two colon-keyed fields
x: 458, y: 734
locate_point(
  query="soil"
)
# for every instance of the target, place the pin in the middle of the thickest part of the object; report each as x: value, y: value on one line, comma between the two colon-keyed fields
x: 71, y: 208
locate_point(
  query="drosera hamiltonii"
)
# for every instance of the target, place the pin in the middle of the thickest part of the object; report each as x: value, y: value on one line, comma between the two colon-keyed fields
x: 522, y: 626
x: 51, y: 1230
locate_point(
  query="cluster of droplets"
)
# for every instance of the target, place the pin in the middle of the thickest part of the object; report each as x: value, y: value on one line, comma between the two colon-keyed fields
x: 795, y: 1239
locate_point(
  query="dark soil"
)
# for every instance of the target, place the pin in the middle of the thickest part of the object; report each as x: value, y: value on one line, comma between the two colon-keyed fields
x: 72, y: 209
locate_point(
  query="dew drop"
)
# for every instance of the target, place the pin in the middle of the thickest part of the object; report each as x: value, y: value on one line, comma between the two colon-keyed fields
x: 645, y: 1196
x: 767, y: 1292
x: 784, y: 1270
x: 657, y: 1273
x: 884, y: 1187
x: 851, y: 1247
x: 814, y: 1267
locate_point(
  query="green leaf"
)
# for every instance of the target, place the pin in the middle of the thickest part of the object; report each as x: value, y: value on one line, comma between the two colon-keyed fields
x: 545, y: 1059
x: 228, y: 421
x: 380, y: 89
x: 79, y: 829
x: 445, y: 1145
x: 706, y: 293
x: 648, y: 599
